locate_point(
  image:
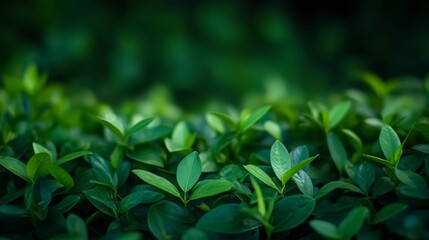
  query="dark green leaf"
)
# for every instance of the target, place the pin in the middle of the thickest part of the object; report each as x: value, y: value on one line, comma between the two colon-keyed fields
x: 280, y: 159
x: 194, y: 233
x: 353, y: 222
x: 365, y: 176
x: 38, y: 165
x: 102, y: 199
x: 388, y: 212
x: 15, y: 166
x: 138, y: 126
x: 227, y: 218
x: 71, y: 156
x: 326, y: 229
x: 261, y: 175
x: 157, y: 181
x: 329, y: 187
x: 292, y: 211
x: 382, y: 186
x: 149, y: 156
x: 424, y: 148
x: 67, y: 203
x: 75, y: 225
x: 337, y: 151
x: 250, y: 119
x: 390, y: 143
x: 189, y: 171
x: 138, y: 197
x: 166, y: 220
x: 337, y: 114
x: 210, y: 187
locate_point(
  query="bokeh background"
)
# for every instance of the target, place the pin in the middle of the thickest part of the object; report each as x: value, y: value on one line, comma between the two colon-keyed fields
x: 202, y: 50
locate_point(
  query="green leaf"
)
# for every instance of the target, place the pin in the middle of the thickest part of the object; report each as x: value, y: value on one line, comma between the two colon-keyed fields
x: 326, y: 229
x: 388, y: 212
x: 37, y: 148
x: 76, y: 226
x: 149, y: 156
x: 261, y: 175
x: 337, y: 114
x: 299, y: 154
x: 259, y: 198
x: 227, y: 218
x: 304, y: 183
x: 365, y: 176
x: 274, y: 129
x: 157, y: 181
x: 115, y: 128
x: 167, y: 220
x: 292, y: 211
x: 390, y: 143
x: 424, y: 148
x: 101, y: 198
x: 210, y: 187
x: 411, y: 179
x: 337, y: 151
x: 135, y: 198
x: 376, y: 84
x: 280, y: 159
x: 71, y: 156
x: 331, y: 186
x: 378, y: 160
x: 189, y: 171
x: 215, y: 122
x: 15, y: 166
x: 225, y: 118
x: 249, y: 120
x: 194, y: 233
x: 382, y: 186
x: 291, y: 172
x: 38, y: 165
x: 67, y: 203
x: 353, y: 222
x: 138, y: 126
x: 117, y: 156
x: 62, y: 176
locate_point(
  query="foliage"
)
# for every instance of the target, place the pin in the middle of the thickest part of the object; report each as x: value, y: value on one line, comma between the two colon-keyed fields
x: 76, y: 170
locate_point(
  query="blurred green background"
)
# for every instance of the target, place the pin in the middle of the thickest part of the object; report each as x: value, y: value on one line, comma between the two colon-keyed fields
x: 222, y: 50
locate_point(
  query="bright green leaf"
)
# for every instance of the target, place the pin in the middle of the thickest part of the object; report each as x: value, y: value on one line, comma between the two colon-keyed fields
x: 157, y: 181
x: 280, y: 159
x: 189, y: 171
x: 138, y: 126
x: 337, y: 114
x: 291, y: 172
x: 390, y: 143
x: 38, y: 165
x: 250, y: 119
x: 210, y: 187
x: 71, y: 156
x: 15, y: 166
x: 62, y: 176
x: 261, y: 175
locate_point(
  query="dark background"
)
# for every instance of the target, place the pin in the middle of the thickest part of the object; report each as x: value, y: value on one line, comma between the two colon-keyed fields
x: 206, y: 50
